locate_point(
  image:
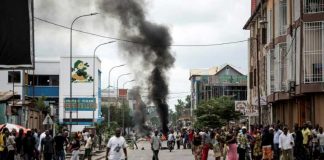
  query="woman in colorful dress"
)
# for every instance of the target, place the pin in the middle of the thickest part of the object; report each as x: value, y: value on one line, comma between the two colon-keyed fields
x: 231, y: 146
x: 257, y: 150
x: 197, y: 150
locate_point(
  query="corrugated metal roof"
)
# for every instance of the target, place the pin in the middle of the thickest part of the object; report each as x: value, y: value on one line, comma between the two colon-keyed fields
x: 6, y: 95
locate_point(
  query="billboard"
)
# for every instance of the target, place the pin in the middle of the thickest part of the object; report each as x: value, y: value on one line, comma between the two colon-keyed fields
x: 81, y: 72
x: 16, y: 34
x: 245, y: 108
x: 80, y: 104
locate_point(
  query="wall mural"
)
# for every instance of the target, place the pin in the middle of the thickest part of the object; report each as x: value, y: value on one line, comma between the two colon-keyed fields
x: 80, y: 73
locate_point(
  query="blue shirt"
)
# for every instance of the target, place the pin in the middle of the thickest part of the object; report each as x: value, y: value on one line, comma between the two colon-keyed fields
x: 276, y: 136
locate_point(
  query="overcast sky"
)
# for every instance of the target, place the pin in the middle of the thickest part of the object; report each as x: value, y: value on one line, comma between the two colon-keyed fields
x: 189, y: 21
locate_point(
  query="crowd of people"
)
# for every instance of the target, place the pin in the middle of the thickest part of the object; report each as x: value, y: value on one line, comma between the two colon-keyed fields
x: 275, y: 142
x: 34, y: 145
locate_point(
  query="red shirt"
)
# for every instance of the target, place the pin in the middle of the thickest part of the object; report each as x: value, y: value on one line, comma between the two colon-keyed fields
x: 191, y: 136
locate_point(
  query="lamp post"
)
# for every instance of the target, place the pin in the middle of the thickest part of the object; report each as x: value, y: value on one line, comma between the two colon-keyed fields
x: 124, y: 104
x: 117, y: 99
x: 108, y: 114
x: 71, y: 28
x: 94, y: 75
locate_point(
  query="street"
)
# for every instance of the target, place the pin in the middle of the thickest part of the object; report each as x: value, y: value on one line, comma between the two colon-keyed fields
x: 146, y: 154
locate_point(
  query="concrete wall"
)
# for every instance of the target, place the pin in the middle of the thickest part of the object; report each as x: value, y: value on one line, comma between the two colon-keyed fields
x: 79, y: 90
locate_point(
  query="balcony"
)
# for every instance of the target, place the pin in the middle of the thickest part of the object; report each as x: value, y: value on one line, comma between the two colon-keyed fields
x: 38, y: 91
x: 313, y: 6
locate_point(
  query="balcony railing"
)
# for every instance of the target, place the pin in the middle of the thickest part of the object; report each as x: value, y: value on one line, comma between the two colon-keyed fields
x: 313, y: 52
x: 313, y: 6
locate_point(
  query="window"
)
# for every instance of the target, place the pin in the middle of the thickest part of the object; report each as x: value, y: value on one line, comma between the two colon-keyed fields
x: 313, y: 6
x: 272, y: 68
x: 283, y: 66
x: 282, y: 17
x: 313, y: 51
x: 44, y: 80
x: 14, y: 76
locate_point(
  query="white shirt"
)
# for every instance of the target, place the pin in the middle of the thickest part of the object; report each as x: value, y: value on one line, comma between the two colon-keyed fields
x: 276, y: 136
x: 171, y: 137
x: 85, y: 136
x: 155, y: 142
x: 321, y: 138
x: 43, y: 135
x: 89, y: 143
x: 285, y: 140
x: 116, y: 145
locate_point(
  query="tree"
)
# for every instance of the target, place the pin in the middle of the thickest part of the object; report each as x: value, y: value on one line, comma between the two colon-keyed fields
x: 40, y: 103
x: 216, y: 112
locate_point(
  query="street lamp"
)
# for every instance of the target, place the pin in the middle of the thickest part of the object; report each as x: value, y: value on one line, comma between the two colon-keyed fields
x: 108, y: 114
x: 127, y: 82
x: 94, y: 73
x: 71, y: 28
x: 124, y: 105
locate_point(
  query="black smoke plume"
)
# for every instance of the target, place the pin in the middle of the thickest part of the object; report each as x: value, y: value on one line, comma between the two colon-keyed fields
x: 151, y: 48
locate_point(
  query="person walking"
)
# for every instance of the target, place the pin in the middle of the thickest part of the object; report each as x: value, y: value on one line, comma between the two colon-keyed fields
x: 197, y: 146
x: 267, y: 143
x: 231, y: 146
x: 133, y: 134
x: 88, y: 147
x: 3, y: 149
x: 75, y: 146
x: 242, y: 144
x: 19, y: 142
x: 116, y: 147
x: 277, y: 133
x: 10, y: 144
x: 320, y: 137
x: 28, y: 145
x: 206, y: 142
x: 216, y: 145
x: 59, y: 142
x: 299, y: 150
x: 286, y: 143
x: 178, y: 139
x: 306, y: 138
x: 257, y: 150
x: 155, y: 145
x: 47, y: 146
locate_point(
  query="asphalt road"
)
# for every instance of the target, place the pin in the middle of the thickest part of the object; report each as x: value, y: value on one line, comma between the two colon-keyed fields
x: 146, y: 154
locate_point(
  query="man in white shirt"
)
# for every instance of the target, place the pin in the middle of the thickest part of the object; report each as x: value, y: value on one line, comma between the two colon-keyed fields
x: 171, y: 140
x: 115, y: 146
x: 286, y: 143
x: 320, y: 137
x: 155, y: 145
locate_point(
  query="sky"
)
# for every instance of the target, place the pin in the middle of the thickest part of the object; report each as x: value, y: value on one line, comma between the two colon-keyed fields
x: 189, y: 22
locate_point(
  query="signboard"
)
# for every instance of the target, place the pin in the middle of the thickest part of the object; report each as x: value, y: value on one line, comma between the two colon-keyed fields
x: 122, y: 92
x: 245, y: 108
x: 79, y: 104
x: 16, y: 28
x: 240, y: 105
x: 48, y: 120
x: 263, y: 101
x: 80, y: 72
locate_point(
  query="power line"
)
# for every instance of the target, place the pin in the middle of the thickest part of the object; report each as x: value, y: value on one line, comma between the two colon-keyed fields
x: 136, y: 42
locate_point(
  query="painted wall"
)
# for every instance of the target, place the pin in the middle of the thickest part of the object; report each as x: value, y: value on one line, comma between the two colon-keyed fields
x: 82, y: 87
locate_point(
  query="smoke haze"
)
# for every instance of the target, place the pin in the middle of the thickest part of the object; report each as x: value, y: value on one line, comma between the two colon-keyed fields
x: 150, y: 58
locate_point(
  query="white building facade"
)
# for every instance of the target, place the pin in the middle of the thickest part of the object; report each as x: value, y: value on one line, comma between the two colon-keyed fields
x: 85, y: 107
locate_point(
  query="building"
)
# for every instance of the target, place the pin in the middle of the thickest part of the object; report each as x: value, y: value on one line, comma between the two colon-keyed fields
x: 43, y: 81
x: 84, y: 108
x: 51, y: 79
x: 215, y: 82
x: 286, y: 60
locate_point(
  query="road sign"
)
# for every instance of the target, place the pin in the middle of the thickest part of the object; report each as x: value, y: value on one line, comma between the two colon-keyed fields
x: 48, y: 120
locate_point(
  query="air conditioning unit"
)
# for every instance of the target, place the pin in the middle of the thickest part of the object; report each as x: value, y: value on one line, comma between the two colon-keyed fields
x: 291, y: 86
